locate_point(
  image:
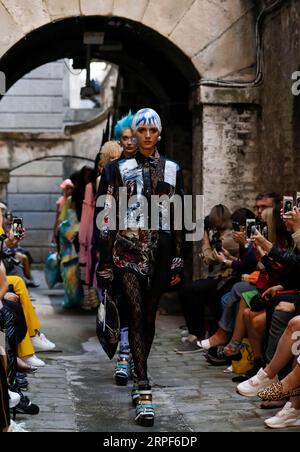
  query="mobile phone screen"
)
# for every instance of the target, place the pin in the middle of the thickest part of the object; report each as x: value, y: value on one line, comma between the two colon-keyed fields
x: 18, y: 229
x: 250, y: 229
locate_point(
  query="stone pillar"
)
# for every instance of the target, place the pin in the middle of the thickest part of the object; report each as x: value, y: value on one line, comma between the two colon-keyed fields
x: 4, y: 168
x: 197, y: 176
x: 4, y: 180
x: 225, y: 157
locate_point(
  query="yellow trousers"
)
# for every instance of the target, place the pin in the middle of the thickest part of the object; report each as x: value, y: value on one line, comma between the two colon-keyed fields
x: 32, y: 321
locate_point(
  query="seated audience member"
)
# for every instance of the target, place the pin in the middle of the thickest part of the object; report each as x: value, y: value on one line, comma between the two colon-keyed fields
x: 216, y: 279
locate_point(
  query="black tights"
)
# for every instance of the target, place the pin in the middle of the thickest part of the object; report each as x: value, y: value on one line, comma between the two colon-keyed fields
x: 143, y: 308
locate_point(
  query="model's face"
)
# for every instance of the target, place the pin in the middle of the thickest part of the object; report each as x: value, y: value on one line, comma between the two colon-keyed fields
x: 261, y: 205
x: 147, y: 137
x: 128, y: 142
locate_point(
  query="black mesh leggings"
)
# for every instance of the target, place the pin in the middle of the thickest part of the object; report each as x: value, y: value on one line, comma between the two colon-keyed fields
x: 143, y: 308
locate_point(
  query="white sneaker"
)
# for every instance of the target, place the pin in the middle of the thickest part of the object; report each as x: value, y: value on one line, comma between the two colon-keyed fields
x: 14, y: 399
x: 206, y: 345
x: 188, y: 338
x: 251, y: 387
x: 34, y: 361
x: 287, y: 417
x: 17, y: 428
x: 44, y: 338
x: 41, y: 343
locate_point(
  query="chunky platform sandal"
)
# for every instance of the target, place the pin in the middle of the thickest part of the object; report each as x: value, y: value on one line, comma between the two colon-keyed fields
x: 144, y: 410
x: 122, y: 370
x: 135, y: 393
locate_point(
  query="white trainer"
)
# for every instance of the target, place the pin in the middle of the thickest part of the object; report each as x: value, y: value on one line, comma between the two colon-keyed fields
x: 34, y: 361
x: 188, y: 338
x: 206, y: 345
x: 41, y: 343
x: 251, y: 387
x: 44, y: 338
x: 14, y: 399
x: 287, y: 417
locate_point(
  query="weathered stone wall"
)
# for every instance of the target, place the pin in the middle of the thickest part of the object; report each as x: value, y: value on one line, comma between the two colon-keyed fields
x: 230, y: 156
x: 280, y: 168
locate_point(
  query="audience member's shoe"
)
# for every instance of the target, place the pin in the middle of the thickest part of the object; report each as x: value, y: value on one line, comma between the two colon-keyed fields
x: 251, y: 387
x: 34, y: 361
x: 287, y: 417
x: 26, y: 407
x: 16, y: 428
x: 188, y: 338
x: 21, y: 384
x: 32, y: 284
x: 14, y: 399
x: 185, y: 333
x: 216, y: 356
x: 23, y: 367
x: 188, y: 346
x: 42, y: 344
x: 205, y: 344
x: 274, y: 391
x: 258, y: 364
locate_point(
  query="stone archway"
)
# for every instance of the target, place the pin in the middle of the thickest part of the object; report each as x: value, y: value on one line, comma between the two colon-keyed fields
x: 166, y: 47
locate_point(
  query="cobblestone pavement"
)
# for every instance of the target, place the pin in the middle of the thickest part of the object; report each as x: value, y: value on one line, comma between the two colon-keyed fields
x: 75, y: 391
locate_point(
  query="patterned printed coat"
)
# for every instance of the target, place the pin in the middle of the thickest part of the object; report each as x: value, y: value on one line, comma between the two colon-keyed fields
x: 130, y: 239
